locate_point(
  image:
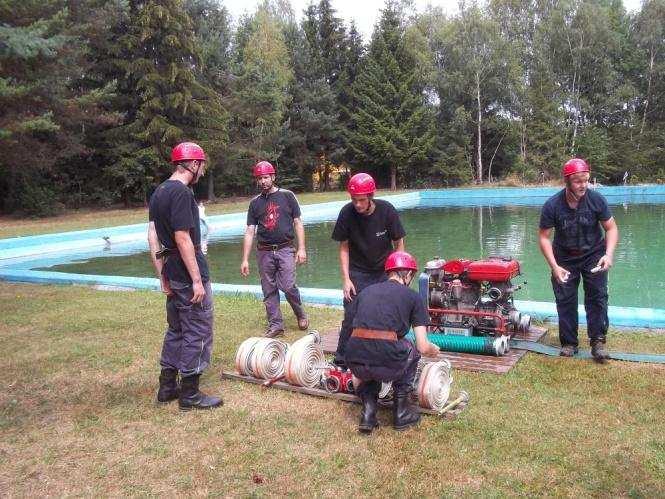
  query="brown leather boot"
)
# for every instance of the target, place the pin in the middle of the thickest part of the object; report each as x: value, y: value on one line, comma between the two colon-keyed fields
x: 598, y: 351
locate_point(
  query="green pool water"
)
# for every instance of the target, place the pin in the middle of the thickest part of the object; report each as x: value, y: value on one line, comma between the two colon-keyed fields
x: 637, y: 279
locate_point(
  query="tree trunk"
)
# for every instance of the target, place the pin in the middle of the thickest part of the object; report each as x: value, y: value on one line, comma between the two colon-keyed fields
x: 646, y: 102
x: 489, y: 169
x: 211, y: 186
x: 393, y: 178
x: 480, y: 143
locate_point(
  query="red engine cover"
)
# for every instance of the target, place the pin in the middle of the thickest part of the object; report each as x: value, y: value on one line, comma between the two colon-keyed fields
x: 493, y: 269
x: 456, y: 266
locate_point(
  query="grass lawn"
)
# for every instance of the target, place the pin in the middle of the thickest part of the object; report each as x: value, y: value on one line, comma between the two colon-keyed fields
x: 77, y: 417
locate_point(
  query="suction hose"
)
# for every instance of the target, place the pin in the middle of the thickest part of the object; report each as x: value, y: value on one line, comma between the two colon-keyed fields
x: 467, y: 344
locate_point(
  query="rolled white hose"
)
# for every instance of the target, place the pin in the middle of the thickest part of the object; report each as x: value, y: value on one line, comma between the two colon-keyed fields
x: 244, y: 357
x: 268, y: 358
x: 434, y: 385
x: 261, y: 358
x: 303, y: 359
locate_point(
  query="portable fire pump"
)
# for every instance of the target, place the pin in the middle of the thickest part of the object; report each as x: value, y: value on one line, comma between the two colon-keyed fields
x: 473, y: 297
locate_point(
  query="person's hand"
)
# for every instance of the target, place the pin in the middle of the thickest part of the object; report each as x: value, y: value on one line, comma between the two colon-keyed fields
x: 301, y: 256
x: 244, y: 268
x: 166, y: 288
x: 432, y: 350
x: 349, y: 290
x: 604, y: 263
x: 199, y: 292
x: 560, y: 274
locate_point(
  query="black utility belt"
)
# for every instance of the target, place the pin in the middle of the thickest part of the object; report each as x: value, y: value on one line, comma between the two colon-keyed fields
x: 273, y: 247
x: 166, y: 252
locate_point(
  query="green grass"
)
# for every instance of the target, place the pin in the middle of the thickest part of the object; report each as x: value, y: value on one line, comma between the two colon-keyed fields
x: 77, y: 416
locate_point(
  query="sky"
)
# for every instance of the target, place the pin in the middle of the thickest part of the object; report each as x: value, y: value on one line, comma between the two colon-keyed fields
x: 364, y: 12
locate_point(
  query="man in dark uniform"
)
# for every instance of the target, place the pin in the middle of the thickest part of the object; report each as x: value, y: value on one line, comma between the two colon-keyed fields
x: 174, y: 237
x: 579, y: 250
x: 377, y: 350
x: 274, y: 215
x: 367, y: 230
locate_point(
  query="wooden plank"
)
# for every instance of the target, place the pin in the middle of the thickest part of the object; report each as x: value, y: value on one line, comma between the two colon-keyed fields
x: 318, y: 392
x: 466, y: 361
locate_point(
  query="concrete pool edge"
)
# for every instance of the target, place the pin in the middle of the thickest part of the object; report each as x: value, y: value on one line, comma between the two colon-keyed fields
x: 648, y: 318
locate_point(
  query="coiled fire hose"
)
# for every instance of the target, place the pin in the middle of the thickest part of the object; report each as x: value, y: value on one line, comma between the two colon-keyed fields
x: 303, y: 361
x: 434, y: 385
x: 431, y: 385
x: 261, y: 358
x: 483, y: 345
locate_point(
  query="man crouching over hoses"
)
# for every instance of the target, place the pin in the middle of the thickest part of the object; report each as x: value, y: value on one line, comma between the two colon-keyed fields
x: 377, y: 351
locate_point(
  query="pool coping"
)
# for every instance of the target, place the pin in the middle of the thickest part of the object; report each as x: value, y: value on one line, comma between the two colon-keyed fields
x: 18, y: 256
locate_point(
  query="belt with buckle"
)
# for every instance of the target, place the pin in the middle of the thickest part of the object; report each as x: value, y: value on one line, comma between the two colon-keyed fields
x: 374, y: 334
x: 273, y: 247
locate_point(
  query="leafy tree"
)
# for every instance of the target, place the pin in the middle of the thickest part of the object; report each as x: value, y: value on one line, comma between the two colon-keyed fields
x: 260, y: 94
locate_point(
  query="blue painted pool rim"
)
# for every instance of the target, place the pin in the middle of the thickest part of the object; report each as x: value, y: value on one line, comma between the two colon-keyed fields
x: 18, y: 256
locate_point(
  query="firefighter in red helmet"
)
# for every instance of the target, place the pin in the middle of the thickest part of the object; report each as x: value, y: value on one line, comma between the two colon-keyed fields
x: 377, y: 350
x: 367, y: 230
x: 585, y: 237
x: 274, y: 216
x: 174, y: 237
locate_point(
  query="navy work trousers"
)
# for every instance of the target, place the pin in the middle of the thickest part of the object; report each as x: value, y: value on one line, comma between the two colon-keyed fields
x: 402, y: 377
x: 595, y: 297
x: 188, y: 339
x: 360, y: 281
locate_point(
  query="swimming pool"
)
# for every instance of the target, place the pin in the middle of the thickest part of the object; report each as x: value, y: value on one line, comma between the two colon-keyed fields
x: 450, y: 223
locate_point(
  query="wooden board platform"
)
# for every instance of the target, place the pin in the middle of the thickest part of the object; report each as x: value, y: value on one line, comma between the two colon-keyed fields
x: 318, y: 392
x: 466, y: 361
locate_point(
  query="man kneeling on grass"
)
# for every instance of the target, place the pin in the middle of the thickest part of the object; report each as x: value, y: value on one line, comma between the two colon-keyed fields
x: 377, y: 350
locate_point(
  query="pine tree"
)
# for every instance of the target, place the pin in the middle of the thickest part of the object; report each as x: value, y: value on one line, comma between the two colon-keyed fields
x: 391, y: 126
x: 160, y: 59
x: 45, y: 109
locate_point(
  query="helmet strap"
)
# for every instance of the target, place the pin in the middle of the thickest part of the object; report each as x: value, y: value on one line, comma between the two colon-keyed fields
x: 193, y: 172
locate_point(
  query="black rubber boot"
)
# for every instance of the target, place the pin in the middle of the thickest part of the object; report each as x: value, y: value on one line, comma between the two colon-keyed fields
x: 405, y: 414
x: 598, y: 351
x: 192, y: 398
x: 168, y: 386
x: 369, y: 396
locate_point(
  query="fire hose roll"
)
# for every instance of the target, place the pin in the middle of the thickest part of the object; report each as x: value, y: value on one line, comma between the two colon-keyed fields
x: 303, y: 359
x: 434, y: 385
x: 261, y: 358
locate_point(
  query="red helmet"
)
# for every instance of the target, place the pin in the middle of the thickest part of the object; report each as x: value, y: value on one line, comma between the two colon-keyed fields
x: 400, y: 260
x: 575, y: 165
x: 187, y: 151
x: 263, y: 168
x: 361, y: 184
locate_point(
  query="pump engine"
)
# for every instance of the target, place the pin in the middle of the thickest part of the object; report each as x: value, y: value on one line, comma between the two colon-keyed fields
x: 470, y: 297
